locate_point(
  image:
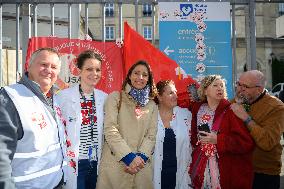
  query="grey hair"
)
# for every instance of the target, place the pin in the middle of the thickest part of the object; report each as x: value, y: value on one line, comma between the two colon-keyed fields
x: 35, y: 53
x: 259, y: 76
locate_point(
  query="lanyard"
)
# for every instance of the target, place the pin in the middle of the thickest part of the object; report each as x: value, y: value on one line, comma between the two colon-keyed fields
x: 92, y: 122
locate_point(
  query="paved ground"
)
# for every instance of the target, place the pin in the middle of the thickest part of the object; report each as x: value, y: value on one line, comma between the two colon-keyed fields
x: 282, y: 170
x: 282, y: 173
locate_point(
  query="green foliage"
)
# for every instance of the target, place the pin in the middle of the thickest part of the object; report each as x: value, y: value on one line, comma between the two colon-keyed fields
x: 277, y: 71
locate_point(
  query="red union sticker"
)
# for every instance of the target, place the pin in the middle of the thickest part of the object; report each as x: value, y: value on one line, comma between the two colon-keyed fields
x: 206, y: 117
x: 70, y: 153
x: 38, y: 119
x: 138, y: 112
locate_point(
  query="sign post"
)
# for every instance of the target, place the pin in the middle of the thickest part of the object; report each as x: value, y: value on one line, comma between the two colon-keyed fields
x: 198, y: 37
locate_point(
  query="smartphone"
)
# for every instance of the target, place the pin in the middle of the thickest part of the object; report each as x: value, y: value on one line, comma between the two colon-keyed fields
x: 204, y: 127
x: 192, y: 89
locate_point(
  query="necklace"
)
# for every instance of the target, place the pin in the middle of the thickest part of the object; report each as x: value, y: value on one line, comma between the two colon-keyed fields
x: 92, y: 123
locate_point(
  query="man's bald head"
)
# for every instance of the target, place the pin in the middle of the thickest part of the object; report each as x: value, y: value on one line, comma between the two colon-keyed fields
x: 257, y: 77
x: 250, y: 86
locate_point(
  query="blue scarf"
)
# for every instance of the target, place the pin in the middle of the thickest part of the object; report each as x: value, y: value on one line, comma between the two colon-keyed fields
x: 141, y: 96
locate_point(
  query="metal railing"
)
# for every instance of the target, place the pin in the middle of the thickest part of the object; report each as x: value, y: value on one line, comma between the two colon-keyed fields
x: 29, y: 20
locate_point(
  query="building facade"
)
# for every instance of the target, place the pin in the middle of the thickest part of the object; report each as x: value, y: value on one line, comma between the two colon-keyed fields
x: 267, y: 44
x: 144, y: 18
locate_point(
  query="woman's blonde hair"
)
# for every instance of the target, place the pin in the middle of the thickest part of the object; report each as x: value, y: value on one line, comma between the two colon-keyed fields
x: 206, y: 81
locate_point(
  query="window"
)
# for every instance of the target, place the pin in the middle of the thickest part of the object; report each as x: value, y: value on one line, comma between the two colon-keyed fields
x: 109, y: 35
x: 147, y: 9
x: 109, y: 9
x: 281, y: 9
x: 147, y: 32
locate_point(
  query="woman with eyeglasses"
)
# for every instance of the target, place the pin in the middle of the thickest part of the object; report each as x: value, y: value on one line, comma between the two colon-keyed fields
x: 222, y: 145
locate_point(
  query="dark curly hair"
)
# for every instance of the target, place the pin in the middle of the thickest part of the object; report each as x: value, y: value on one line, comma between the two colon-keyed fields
x: 161, y: 88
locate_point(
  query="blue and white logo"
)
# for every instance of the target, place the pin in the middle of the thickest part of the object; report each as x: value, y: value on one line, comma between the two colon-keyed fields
x: 186, y: 9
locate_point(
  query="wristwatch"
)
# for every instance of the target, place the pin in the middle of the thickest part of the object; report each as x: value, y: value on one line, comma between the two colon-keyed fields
x: 246, y: 122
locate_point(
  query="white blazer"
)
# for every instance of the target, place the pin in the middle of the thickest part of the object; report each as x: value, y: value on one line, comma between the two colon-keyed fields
x: 69, y: 101
x: 181, y: 125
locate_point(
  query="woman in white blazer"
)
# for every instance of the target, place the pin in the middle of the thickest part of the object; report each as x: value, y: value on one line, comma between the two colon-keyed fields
x: 82, y: 108
x: 172, y: 153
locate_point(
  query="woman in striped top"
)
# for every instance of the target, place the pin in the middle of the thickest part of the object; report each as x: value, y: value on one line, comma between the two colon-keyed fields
x: 82, y: 107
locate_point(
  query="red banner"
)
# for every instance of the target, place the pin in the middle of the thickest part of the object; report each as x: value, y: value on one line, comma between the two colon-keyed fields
x: 137, y: 48
x: 112, y: 66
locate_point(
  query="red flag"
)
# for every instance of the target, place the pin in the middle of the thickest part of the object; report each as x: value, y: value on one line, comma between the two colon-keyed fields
x: 137, y: 48
x: 112, y: 67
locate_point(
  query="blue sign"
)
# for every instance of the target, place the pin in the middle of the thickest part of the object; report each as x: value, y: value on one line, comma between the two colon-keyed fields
x: 198, y: 37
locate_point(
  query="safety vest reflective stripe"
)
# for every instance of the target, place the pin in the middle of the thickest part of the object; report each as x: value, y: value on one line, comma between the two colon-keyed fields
x: 37, y: 153
x: 37, y: 174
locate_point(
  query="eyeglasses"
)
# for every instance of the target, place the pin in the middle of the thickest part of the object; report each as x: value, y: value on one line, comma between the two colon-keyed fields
x: 245, y: 86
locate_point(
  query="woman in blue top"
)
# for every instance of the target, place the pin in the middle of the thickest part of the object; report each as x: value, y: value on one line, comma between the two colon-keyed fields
x: 172, y: 149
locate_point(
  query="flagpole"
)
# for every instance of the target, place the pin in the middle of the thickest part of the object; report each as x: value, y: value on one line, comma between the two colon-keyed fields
x: 153, y: 22
x: 136, y: 15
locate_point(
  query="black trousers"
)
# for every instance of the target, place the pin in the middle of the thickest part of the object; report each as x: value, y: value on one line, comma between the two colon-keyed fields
x: 263, y: 181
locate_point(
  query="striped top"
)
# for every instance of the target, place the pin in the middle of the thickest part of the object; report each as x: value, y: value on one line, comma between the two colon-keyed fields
x: 86, y: 127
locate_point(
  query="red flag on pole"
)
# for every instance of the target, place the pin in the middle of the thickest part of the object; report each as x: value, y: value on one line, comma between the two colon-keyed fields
x: 137, y: 48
